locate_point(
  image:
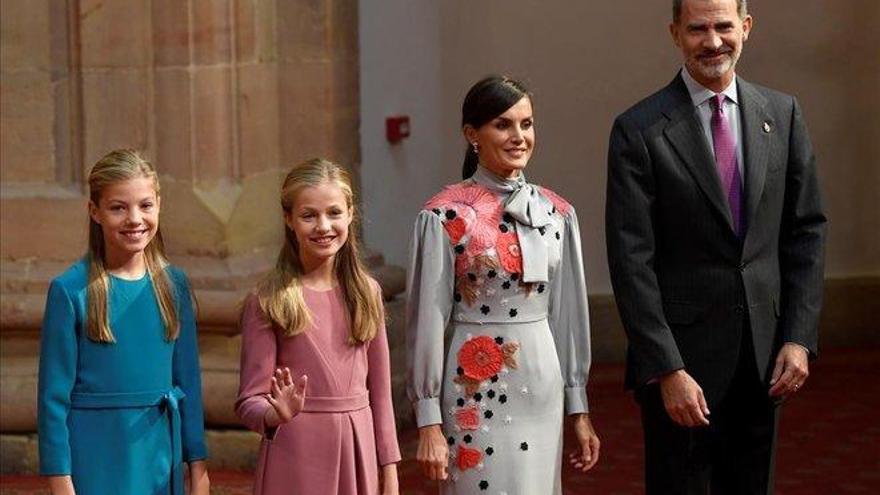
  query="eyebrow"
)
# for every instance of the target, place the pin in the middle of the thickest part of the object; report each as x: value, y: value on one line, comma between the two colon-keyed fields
x: 314, y: 208
x: 704, y: 25
x: 122, y: 201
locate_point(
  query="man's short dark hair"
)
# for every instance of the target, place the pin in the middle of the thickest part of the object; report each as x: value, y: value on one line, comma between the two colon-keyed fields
x: 741, y: 7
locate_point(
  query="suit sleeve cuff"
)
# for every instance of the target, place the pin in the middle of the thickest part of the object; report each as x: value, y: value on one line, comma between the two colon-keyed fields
x: 576, y: 400
x: 428, y: 412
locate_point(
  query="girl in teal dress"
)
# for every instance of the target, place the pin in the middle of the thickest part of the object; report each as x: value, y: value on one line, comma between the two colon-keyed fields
x: 120, y: 407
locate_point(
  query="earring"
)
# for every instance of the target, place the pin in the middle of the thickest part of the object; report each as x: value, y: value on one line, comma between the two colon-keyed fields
x: 476, y: 147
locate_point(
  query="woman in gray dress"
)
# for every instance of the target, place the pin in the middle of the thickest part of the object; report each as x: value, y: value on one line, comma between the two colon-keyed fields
x: 497, y: 319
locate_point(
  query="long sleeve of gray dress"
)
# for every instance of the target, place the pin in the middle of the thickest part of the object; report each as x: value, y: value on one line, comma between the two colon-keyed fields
x: 569, y: 318
x: 429, y: 308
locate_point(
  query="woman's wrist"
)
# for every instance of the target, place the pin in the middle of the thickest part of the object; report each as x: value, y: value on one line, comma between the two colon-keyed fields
x: 430, y: 430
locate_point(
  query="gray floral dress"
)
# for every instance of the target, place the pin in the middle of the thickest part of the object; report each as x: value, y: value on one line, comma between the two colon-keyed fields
x: 498, y: 331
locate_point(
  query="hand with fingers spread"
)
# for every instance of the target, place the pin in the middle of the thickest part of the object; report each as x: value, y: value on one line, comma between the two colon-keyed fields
x: 433, y: 452
x: 588, y: 454
x: 287, y: 397
x: 683, y: 399
x: 790, y: 372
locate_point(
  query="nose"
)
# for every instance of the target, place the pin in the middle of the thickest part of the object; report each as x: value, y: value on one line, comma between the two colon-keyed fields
x: 323, y: 224
x: 516, y: 134
x: 134, y: 216
x: 712, y: 41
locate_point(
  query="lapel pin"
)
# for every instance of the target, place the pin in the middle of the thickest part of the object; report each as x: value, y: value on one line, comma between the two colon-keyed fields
x: 767, y: 127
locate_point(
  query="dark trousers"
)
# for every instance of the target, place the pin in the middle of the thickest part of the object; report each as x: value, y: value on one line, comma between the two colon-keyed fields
x: 733, y: 455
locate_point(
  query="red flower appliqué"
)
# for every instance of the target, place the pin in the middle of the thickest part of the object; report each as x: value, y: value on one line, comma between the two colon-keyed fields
x: 468, y: 458
x: 468, y: 418
x: 478, y: 206
x: 456, y: 229
x: 480, y: 358
x: 508, y: 251
x: 562, y: 206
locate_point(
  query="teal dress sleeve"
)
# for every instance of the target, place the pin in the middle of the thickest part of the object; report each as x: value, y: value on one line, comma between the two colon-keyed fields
x: 58, y: 364
x: 186, y: 373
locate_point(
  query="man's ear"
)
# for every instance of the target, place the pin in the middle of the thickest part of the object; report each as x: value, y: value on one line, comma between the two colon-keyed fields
x: 673, y: 31
x: 747, y: 27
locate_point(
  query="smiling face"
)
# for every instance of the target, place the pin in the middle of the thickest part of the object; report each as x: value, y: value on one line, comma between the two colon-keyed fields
x: 710, y: 34
x: 128, y: 213
x: 320, y: 218
x: 506, y: 142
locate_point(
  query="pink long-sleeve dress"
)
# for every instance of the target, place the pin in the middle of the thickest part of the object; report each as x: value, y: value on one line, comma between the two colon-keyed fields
x: 346, y: 430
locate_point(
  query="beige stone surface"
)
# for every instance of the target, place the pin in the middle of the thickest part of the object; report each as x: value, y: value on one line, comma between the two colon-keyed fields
x: 192, y: 228
x: 212, y: 33
x: 61, y: 217
x: 114, y: 34
x: 214, y: 124
x: 24, y: 35
x: 170, y: 33
x: 302, y: 30
x: 18, y: 454
x: 173, y: 123
x: 116, y: 107
x: 306, y: 112
x: 27, y: 115
x: 259, y: 118
x: 233, y: 449
x: 257, y: 218
x: 256, y: 36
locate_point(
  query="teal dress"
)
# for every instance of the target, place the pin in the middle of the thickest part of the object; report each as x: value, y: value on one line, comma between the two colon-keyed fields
x: 121, y: 417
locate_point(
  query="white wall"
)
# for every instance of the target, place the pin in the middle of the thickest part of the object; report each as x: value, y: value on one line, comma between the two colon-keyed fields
x: 400, y: 74
x: 586, y: 62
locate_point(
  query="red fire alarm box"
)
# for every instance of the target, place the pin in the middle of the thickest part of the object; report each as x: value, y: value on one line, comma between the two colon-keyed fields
x: 396, y: 128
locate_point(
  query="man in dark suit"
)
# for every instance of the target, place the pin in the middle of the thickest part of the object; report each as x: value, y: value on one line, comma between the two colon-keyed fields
x: 715, y: 243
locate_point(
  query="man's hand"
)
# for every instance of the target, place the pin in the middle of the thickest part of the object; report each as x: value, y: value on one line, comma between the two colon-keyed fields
x: 791, y: 370
x: 683, y: 399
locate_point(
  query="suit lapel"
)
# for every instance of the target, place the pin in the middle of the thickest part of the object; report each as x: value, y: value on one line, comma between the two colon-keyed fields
x: 757, y: 128
x: 685, y: 133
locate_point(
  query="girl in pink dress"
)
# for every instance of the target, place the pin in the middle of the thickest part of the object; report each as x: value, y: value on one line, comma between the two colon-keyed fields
x: 318, y: 316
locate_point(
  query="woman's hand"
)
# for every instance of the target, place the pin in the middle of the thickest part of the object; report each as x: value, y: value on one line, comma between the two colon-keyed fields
x: 199, y: 484
x: 433, y: 452
x: 287, y: 398
x: 588, y: 455
x: 389, y: 479
x: 61, y: 485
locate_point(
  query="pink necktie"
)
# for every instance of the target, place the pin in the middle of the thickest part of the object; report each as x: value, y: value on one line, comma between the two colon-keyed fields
x: 725, y: 160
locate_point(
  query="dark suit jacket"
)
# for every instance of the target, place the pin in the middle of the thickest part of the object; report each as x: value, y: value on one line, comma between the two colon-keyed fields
x: 682, y: 278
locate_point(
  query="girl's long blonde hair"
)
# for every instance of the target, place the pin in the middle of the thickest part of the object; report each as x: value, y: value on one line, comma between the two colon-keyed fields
x: 281, y: 292
x: 115, y: 167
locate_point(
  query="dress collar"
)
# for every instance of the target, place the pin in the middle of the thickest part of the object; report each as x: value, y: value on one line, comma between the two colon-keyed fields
x: 485, y: 177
